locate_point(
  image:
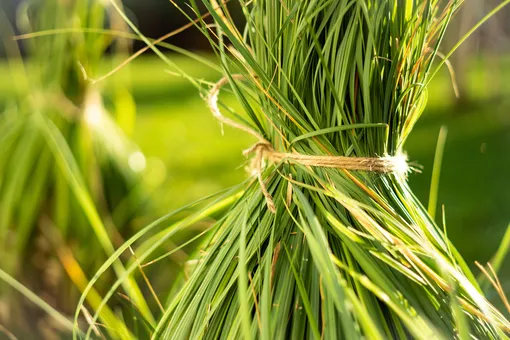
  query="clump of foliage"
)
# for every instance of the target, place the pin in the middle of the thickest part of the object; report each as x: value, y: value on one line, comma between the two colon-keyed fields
x: 343, y: 254
x: 70, y: 179
x: 346, y: 254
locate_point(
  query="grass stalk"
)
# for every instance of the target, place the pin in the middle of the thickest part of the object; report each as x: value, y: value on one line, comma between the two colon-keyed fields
x: 436, y: 172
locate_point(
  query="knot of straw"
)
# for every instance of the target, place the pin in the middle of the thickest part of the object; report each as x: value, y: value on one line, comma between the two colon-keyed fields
x: 263, y: 150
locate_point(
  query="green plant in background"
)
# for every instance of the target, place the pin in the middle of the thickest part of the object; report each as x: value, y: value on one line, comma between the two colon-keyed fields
x: 342, y: 253
x: 71, y: 181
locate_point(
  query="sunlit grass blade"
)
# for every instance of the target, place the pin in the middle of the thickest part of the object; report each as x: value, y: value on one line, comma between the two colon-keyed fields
x: 436, y: 172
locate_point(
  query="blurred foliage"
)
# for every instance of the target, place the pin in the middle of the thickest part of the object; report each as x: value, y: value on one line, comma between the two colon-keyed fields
x: 71, y: 184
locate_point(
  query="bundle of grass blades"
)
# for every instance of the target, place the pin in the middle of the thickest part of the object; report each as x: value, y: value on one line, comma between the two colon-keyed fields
x: 70, y: 179
x: 343, y: 253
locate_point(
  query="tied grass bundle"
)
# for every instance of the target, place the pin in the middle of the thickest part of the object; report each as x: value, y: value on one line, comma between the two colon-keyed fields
x: 346, y: 254
x: 70, y: 179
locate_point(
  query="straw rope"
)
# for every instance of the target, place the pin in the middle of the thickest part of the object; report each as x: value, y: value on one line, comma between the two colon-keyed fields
x: 263, y: 150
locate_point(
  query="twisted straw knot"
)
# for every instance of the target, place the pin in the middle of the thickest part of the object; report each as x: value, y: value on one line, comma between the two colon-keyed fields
x: 264, y: 148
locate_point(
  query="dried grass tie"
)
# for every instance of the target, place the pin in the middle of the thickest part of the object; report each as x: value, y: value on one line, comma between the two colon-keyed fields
x: 263, y: 149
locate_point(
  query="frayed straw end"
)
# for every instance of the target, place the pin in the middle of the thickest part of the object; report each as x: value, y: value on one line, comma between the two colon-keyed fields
x: 398, y: 164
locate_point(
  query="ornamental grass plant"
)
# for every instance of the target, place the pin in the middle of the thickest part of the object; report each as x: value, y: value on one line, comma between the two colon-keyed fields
x: 71, y: 181
x: 311, y: 250
x: 325, y: 239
